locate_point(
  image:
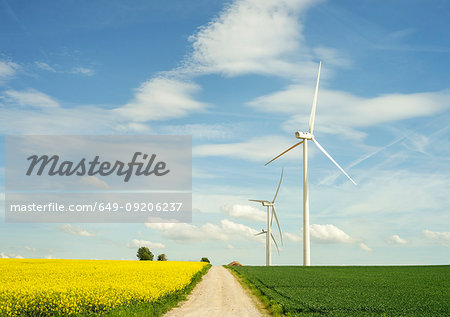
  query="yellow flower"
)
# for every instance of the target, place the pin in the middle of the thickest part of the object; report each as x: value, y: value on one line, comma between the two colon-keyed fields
x: 67, y: 287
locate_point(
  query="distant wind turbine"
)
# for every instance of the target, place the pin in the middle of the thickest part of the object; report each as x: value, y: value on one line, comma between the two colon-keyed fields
x: 305, y: 136
x: 270, y: 205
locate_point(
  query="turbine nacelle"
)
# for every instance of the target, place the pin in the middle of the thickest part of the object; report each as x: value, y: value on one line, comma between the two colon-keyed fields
x: 304, y: 135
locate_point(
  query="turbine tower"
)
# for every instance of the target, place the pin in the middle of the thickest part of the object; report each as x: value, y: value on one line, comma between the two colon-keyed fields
x: 270, y: 206
x: 305, y: 137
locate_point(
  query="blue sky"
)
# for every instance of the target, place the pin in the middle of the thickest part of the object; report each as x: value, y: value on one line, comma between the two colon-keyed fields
x: 239, y: 77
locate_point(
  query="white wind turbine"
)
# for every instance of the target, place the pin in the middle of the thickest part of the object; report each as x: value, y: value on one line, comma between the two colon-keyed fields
x: 269, y: 234
x: 305, y: 136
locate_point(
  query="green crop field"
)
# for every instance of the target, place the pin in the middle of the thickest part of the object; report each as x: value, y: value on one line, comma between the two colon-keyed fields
x: 354, y: 291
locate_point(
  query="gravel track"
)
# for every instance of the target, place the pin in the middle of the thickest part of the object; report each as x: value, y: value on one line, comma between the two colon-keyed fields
x: 218, y: 294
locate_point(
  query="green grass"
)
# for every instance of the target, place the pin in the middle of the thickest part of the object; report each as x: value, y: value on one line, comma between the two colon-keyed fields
x: 352, y: 291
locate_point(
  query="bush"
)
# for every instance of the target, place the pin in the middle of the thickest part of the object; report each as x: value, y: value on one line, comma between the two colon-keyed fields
x: 205, y: 260
x: 162, y: 257
x: 144, y: 254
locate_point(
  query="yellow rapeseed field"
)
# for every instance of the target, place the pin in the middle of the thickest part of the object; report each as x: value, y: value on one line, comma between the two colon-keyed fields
x: 66, y: 287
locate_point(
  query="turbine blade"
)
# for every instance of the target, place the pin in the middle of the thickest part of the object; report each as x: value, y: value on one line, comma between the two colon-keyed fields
x: 278, y: 223
x: 259, y: 201
x: 332, y: 160
x: 276, y: 193
x: 273, y: 238
x: 283, y: 153
x: 313, y: 110
x: 257, y: 234
x: 271, y: 219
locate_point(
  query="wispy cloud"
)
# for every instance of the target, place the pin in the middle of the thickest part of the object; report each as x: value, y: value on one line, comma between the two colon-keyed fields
x: 76, y: 230
x: 7, y: 70
x: 331, y: 234
x: 83, y: 71
x: 343, y: 113
x: 78, y: 70
x: 385, y: 191
x: 29, y: 98
x: 365, y: 247
x: 225, y: 231
x: 254, y: 149
x: 31, y: 111
x: 205, y: 131
x: 245, y: 212
x: 135, y: 243
x: 93, y: 181
x: 442, y: 238
x: 292, y: 237
x: 45, y: 66
x: 160, y: 99
x: 3, y: 255
x: 397, y: 240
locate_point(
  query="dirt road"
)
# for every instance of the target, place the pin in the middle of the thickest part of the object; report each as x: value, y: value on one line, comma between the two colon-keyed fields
x: 218, y: 294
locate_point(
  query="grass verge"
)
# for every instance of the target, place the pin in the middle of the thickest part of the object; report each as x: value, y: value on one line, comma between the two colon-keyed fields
x: 160, y: 306
x: 271, y: 305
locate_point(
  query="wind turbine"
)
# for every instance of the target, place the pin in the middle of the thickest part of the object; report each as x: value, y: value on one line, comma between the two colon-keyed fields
x: 305, y: 137
x: 270, y: 205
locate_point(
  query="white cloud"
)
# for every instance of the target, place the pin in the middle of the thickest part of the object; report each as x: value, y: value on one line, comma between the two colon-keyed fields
x: 251, y: 36
x: 234, y: 230
x: 160, y: 99
x: 135, y: 243
x: 33, y: 112
x: 30, y: 249
x: 45, y: 66
x: 76, y: 230
x: 442, y: 238
x: 230, y: 247
x: 397, y: 240
x: 329, y: 234
x: 183, y: 232
x: 258, y: 149
x: 292, y: 237
x: 364, y: 247
x: 245, y: 212
x: 187, y: 232
x: 83, y: 71
x: 7, y: 70
x: 93, y: 181
x: 343, y: 113
x: 30, y: 98
x: 7, y: 256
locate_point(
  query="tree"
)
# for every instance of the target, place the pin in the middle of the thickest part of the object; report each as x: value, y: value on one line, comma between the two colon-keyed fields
x: 162, y: 257
x: 144, y: 254
x: 205, y: 260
